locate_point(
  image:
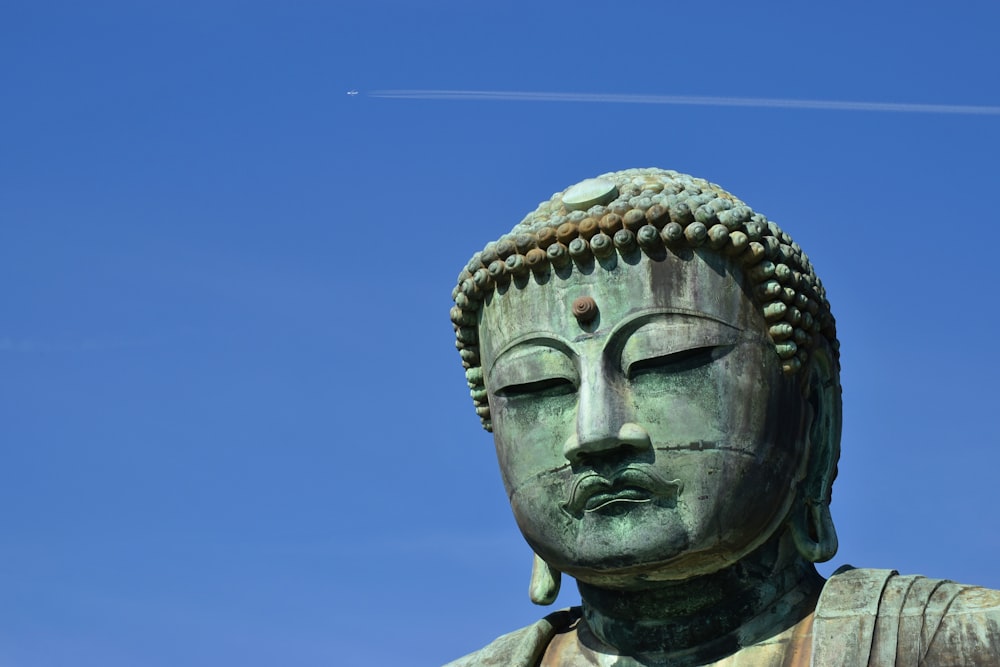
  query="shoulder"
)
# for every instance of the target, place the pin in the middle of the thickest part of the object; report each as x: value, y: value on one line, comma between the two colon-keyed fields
x: 965, y: 627
x: 898, y: 619
x: 521, y: 648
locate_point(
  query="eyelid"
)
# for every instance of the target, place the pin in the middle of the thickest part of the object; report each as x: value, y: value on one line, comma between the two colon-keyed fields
x: 554, y: 386
x: 523, y: 345
x: 662, y: 339
x: 531, y: 364
x: 678, y: 361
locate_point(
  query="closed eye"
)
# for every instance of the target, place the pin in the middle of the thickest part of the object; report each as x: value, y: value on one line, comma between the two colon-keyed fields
x: 548, y: 387
x: 678, y: 362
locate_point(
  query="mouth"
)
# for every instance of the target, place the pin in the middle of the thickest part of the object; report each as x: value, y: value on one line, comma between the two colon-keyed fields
x: 592, y: 492
x: 629, y: 494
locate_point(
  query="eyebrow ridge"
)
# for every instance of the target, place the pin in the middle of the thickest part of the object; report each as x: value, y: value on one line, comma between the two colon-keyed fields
x: 540, y: 339
x: 547, y: 338
x: 616, y: 331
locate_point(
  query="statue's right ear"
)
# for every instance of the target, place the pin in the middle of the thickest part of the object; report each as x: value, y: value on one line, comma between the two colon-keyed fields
x: 811, y: 522
x: 545, y: 582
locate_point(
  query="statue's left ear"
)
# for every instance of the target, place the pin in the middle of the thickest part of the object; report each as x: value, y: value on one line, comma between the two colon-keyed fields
x: 810, y: 521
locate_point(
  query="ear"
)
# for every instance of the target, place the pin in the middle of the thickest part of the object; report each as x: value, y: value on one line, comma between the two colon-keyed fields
x: 545, y: 582
x: 810, y: 521
x: 824, y: 396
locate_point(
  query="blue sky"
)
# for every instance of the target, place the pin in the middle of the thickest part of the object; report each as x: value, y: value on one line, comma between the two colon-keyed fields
x: 234, y: 426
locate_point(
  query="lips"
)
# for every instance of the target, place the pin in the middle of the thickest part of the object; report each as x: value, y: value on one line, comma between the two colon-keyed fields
x: 629, y: 494
x: 591, y: 492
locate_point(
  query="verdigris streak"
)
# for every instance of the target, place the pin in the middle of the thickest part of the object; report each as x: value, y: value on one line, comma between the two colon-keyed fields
x: 659, y: 367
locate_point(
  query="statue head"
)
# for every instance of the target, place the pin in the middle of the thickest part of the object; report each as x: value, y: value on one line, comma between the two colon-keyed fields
x: 658, y: 365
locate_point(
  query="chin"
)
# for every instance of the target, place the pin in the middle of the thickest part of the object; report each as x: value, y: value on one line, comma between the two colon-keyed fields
x: 615, y: 548
x: 660, y: 562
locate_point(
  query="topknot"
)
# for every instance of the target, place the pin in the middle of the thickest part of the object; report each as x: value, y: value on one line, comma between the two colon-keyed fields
x: 652, y: 211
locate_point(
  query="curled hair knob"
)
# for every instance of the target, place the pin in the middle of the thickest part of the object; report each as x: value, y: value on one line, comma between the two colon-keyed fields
x: 672, y: 233
x: 579, y: 249
x: 718, y: 236
x: 546, y: 237
x: 634, y: 219
x: 524, y: 243
x: 658, y: 215
x: 602, y: 245
x: 516, y: 265
x: 566, y: 232
x: 536, y: 259
x: 588, y: 227
x: 625, y: 240
x: 610, y: 223
x: 696, y: 233
x: 498, y: 271
x: 558, y: 254
x: 505, y: 248
x: 648, y: 237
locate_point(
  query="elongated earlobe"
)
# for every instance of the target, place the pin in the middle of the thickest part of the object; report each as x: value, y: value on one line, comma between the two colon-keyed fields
x: 545, y: 581
x: 810, y: 522
x: 813, y: 531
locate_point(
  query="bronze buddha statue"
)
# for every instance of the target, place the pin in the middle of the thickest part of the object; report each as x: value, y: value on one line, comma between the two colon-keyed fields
x: 659, y: 367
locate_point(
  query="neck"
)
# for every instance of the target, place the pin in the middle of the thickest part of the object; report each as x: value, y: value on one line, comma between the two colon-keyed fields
x: 708, y: 617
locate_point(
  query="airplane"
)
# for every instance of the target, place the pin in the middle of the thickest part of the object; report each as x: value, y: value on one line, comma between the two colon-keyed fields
x: 352, y: 92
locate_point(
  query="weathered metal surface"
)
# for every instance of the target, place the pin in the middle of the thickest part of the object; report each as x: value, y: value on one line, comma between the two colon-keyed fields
x: 879, y: 618
x: 660, y: 372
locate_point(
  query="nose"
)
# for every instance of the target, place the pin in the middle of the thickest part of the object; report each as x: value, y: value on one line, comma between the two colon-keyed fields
x: 603, y: 423
x: 632, y: 436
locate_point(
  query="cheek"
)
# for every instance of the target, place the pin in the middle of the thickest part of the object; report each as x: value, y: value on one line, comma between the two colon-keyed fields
x: 529, y: 436
x: 678, y: 409
x: 734, y: 497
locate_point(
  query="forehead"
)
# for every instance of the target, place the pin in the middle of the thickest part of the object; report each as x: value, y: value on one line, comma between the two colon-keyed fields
x: 702, y: 284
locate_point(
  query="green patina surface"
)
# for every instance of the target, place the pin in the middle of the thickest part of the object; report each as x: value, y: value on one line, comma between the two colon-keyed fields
x: 659, y: 367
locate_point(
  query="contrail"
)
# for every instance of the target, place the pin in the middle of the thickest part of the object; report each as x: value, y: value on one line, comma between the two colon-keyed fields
x: 695, y: 100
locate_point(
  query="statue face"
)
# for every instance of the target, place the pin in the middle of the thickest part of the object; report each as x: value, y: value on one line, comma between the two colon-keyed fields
x: 659, y: 441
